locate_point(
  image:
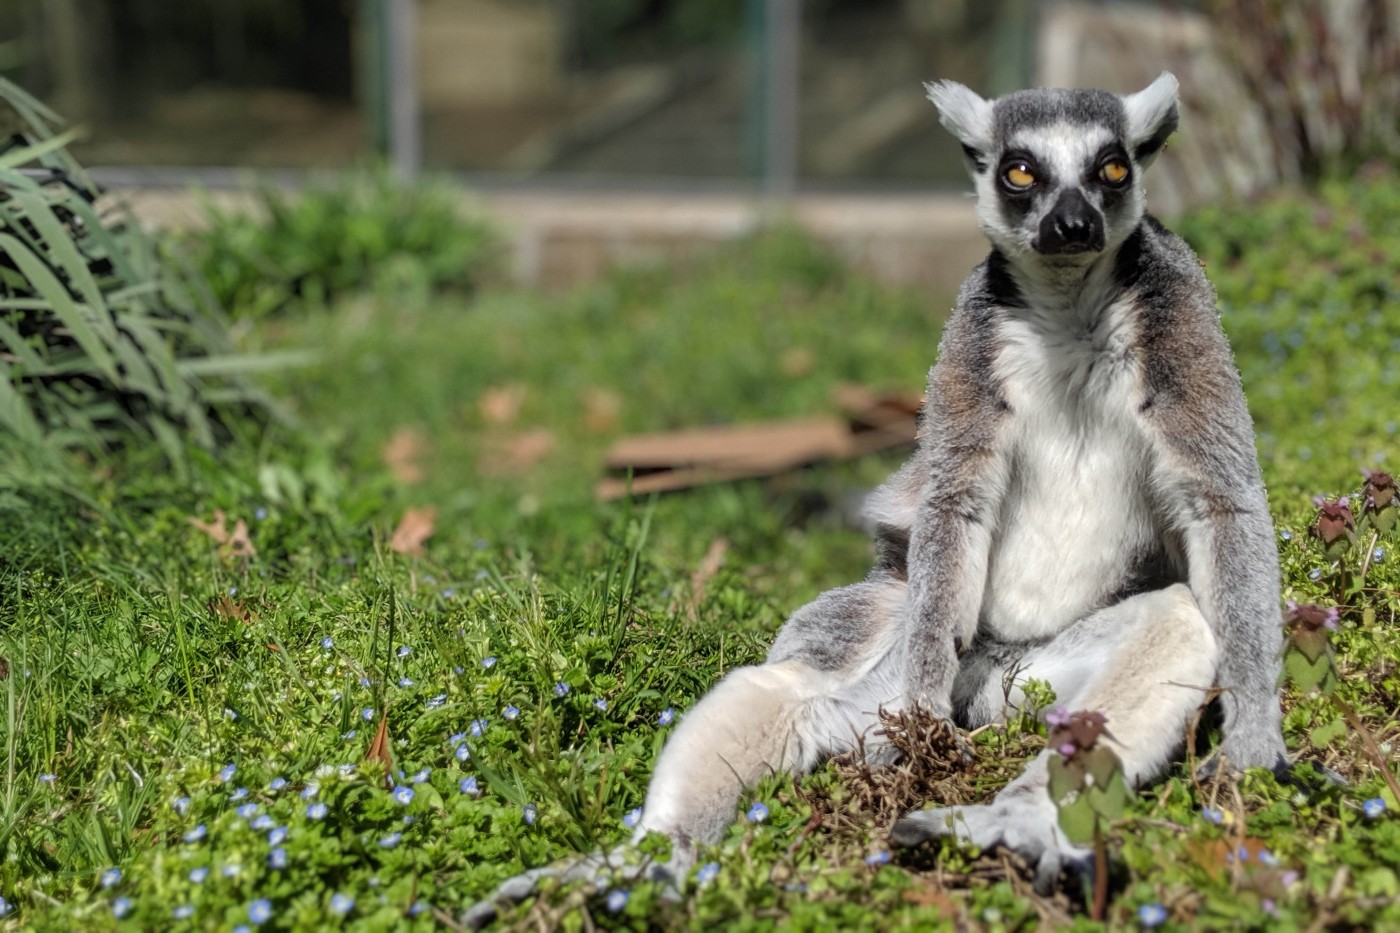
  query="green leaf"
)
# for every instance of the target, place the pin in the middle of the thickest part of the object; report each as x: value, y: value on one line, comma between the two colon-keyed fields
x: 1324, y: 735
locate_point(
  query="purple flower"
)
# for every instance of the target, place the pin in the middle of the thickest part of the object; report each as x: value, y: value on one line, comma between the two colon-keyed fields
x: 1057, y: 717
x: 1152, y: 915
x: 260, y: 911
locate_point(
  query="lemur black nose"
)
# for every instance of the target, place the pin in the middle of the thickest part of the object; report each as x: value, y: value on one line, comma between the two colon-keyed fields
x: 1072, y: 226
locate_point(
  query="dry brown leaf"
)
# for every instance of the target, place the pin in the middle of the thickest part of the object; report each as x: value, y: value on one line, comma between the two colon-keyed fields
x: 414, y: 528
x: 214, y: 529
x: 928, y: 895
x: 234, y: 610
x: 403, y: 453
x: 512, y: 453
x: 601, y: 408
x: 501, y: 404
x: 709, y: 566
x: 797, y: 362
x: 379, y: 749
x: 237, y: 543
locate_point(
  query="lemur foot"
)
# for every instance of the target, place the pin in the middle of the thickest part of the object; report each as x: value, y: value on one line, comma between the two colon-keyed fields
x: 622, y: 866
x: 1026, y: 826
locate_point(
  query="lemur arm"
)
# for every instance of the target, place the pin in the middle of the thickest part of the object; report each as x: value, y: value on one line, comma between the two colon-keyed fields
x: 1208, y: 474
x: 961, y: 472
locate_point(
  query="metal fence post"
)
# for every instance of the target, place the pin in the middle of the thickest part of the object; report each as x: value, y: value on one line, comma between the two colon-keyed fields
x: 400, y: 43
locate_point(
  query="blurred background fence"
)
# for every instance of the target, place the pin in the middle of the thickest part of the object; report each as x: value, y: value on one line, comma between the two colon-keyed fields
x: 676, y: 98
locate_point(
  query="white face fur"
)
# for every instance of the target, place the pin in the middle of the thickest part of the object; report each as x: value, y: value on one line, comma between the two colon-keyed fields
x: 1058, y: 172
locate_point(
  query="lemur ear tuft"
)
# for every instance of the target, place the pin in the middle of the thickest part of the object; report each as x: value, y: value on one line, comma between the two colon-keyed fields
x: 1152, y: 117
x: 966, y: 115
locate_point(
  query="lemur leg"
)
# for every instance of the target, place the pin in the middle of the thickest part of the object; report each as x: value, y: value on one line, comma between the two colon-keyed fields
x: 832, y: 667
x: 1145, y: 663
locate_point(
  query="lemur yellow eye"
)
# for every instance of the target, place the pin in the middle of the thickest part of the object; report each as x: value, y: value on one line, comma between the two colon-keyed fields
x: 1019, y: 176
x: 1114, y: 172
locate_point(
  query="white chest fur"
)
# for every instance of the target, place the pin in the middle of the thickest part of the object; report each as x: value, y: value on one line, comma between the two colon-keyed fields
x: 1076, y: 513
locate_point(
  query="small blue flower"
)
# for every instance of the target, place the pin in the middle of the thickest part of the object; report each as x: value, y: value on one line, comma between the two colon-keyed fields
x: 309, y: 791
x: 528, y: 813
x: 231, y: 870
x: 1152, y: 915
x: 391, y: 840
x: 316, y: 811
x: 263, y: 823
x: 121, y: 907
x: 1378, y: 554
x: 226, y: 773
x: 404, y: 651
x: 457, y: 738
x: 4, y: 907
x: 277, y: 858
x: 111, y: 877
x: 246, y: 811
x: 183, y: 912
x: 707, y: 872
x: 488, y: 662
x: 666, y: 717
x: 197, y: 875
x: 632, y: 818
x: 48, y: 778
x: 260, y: 513
x: 277, y: 783
x: 478, y: 727
x: 277, y: 836
x: 403, y: 795
x: 328, y: 643
x: 341, y: 904
x: 421, y: 776
x: 448, y: 592
x: 238, y: 794
x: 196, y: 834
x: 233, y: 591
x: 347, y: 736
x: 1315, y: 573
x: 757, y: 813
x: 458, y: 669
x: 617, y: 899
x: 561, y: 689
x: 1284, y: 535
x: 345, y: 770
x: 463, y: 752
x: 1373, y: 808
x: 467, y: 785
x: 419, y: 907
x: 510, y: 712
x: 437, y: 702
x: 260, y: 911
x: 877, y: 858
x: 367, y: 713
x: 181, y: 805
x: 405, y: 682
x: 365, y: 681
x: 600, y: 704
x: 1212, y: 816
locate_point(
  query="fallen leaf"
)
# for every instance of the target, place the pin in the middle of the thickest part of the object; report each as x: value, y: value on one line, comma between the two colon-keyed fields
x: 234, y: 610
x: 403, y: 453
x: 501, y: 404
x: 1217, y: 856
x: 709, y: 566
x: 214, y: 529
x: 414, y: 528
x: 930, y: 896
x: 237, y: 543
x: 601, y: 408
x: 512, y: 453
x: 379, y: 749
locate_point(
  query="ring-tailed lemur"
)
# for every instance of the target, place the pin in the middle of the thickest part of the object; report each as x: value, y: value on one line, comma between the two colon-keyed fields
x: 1084, y: 507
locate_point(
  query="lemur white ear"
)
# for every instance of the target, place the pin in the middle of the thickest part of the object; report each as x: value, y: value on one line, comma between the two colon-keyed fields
x: 966, y: 115
x: 1152, y: 117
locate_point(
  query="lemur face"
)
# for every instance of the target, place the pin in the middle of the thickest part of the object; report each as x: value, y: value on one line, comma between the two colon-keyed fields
x: 1058, y: 172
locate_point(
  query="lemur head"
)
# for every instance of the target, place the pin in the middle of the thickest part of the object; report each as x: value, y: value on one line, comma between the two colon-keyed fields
x: 1058, y: 172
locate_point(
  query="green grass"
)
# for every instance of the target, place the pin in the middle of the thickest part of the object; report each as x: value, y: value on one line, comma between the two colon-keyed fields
x: 141, y: 662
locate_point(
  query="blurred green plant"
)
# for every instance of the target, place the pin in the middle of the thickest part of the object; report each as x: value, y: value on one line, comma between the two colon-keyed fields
x: 102, y: 338
x: 363, y: 230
